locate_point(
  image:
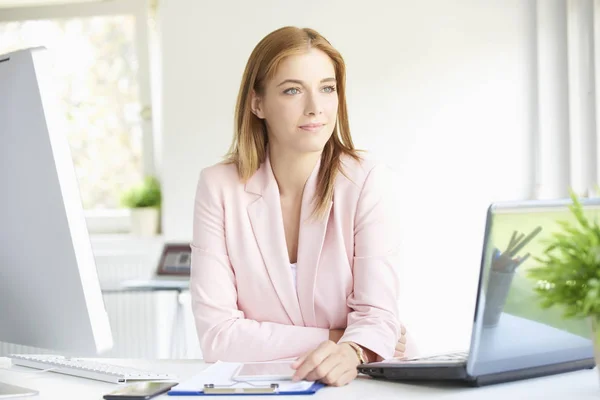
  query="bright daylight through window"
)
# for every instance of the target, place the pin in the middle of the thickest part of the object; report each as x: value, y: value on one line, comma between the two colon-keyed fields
x: 96, y: 65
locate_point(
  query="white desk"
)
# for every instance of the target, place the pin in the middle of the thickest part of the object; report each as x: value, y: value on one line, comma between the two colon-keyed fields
x: 580, y: 385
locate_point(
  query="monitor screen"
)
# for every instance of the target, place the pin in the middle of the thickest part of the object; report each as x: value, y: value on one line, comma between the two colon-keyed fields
x: 514, y: 331
x: 50, y: 294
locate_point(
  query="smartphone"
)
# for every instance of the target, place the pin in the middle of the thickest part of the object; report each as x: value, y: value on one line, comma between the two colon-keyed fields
x: 140, y: 391
x: 265, y: 371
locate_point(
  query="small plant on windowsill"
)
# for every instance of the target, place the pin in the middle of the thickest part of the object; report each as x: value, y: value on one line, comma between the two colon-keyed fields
x: 144, y: 201
x: 568, y: 274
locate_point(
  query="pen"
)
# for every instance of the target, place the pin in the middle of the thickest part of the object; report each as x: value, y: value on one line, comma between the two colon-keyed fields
x: 512, y: 241
x: 520, y: 261
x: 525, y: 241
x: 496, y: 254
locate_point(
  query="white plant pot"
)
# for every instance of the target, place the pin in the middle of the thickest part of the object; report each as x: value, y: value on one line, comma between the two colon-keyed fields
x: 144, y: 221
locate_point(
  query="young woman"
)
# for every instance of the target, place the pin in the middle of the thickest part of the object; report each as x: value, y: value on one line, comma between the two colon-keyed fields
x: 292, y: 251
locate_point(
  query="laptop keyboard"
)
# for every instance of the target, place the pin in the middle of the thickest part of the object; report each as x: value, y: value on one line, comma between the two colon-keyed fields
x: 459, y: 356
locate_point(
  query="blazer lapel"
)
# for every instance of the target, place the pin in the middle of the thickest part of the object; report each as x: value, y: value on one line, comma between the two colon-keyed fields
x: 310, y: 243
x: 267, y: 223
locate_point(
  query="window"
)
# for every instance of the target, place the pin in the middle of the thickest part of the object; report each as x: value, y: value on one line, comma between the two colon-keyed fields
x: 99, y: 55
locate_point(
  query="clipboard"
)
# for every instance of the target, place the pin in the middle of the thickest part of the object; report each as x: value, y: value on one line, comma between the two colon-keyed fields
x: 273, y: 389
x: 216, y: 380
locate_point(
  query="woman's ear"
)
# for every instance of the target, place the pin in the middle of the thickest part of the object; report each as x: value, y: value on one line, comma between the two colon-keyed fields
x: 256, y: 105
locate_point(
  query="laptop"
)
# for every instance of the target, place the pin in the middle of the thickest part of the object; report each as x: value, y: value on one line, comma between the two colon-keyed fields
x: 512, y: 337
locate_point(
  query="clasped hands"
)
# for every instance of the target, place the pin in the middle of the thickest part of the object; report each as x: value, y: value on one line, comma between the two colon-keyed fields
x: 335, y: 363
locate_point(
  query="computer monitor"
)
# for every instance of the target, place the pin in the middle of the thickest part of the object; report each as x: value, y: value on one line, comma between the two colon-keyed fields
x: 50, y: 294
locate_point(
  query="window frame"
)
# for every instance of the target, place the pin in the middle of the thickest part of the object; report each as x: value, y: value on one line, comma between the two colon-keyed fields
x: 110, y: 221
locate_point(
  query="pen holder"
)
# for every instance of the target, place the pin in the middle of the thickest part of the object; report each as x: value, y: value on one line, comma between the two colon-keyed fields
x: 497, y: 292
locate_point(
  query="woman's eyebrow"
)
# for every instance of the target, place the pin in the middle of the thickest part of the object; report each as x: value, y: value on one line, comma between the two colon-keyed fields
x: 299, y: 82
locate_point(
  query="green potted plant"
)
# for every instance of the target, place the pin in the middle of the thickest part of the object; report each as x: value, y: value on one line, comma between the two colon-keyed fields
x: 144, y: 201
x: 568, y: 274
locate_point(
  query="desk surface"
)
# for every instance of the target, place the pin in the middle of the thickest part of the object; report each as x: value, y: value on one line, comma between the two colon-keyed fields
x: 579, y: 385
x: 147, y: 285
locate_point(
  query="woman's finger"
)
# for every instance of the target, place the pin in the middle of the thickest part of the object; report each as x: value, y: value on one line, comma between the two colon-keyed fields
x: 335, y: 373
x: 346, y: 378
x: 323, y: 369
x: 313, y: 359
x: 299, y: 360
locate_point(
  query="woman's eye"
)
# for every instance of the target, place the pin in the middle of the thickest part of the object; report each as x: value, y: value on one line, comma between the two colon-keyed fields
x: 329, y: 89
x: 292, y: 91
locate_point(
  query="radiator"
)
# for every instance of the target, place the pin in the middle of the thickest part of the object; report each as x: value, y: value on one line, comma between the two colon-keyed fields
x: 149, y: 325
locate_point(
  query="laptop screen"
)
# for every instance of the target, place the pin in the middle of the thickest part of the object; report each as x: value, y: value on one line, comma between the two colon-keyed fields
x: 512, y: 329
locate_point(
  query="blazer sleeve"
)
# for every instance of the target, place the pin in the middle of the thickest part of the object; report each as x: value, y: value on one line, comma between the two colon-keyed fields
x: 223, y: 331
x: 373, y: 322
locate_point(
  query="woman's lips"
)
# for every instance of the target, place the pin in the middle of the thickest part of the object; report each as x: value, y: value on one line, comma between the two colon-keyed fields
x: 312, y: 127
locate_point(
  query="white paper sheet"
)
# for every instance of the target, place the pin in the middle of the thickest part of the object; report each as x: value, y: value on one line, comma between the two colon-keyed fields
x: 220, y: 374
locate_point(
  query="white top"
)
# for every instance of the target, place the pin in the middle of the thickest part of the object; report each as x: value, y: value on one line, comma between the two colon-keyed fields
x: 294, y: 271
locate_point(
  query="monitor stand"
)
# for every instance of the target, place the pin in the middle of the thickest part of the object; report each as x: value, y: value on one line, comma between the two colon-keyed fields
x: 11, y: 392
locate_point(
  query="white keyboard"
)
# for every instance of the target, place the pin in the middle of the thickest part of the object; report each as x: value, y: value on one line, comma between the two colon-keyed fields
x: 87, y: 369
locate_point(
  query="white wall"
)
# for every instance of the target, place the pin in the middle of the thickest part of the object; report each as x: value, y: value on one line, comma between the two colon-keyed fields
x: 441, y: 90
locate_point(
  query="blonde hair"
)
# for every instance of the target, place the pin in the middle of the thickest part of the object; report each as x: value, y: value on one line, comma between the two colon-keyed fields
x: 249, y: 147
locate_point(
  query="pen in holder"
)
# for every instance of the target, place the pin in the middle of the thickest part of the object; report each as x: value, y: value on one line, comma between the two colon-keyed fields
x: 502, y: 272
x: 497, y: 292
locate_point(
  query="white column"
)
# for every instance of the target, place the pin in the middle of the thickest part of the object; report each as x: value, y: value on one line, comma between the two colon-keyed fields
x: 551, y: 143
x: 596, y: 64
x: 582, y: 120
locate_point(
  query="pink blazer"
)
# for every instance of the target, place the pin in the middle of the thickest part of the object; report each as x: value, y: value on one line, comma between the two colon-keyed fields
x: 243, y: 299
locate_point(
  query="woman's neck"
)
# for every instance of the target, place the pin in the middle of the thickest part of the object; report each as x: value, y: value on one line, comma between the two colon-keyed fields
x: 292, y: 170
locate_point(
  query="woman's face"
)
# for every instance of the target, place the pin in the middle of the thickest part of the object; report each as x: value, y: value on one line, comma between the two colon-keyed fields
x: 300, y: 103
